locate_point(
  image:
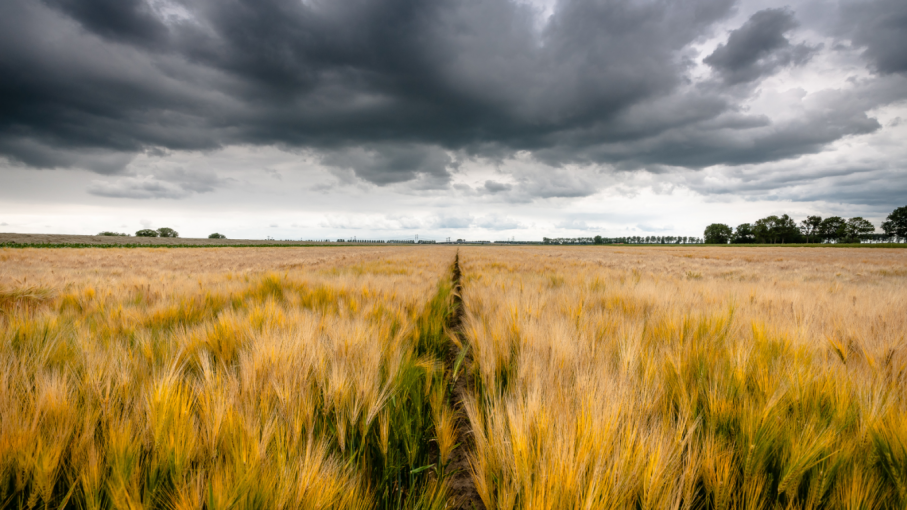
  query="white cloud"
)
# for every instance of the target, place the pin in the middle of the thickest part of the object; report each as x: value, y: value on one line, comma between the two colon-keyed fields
x: 573, y: 224
x: 499, y: 222
x: 452, y: 221
x: 655, y: 228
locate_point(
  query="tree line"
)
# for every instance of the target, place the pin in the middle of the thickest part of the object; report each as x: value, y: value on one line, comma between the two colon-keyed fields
x: 814, y: 229
x: 161, y: 232
x: 623, y: 240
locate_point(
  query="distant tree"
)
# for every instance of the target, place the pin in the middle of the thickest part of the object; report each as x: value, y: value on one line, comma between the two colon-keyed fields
x: 147, y: 232
x: 718, y: 233
x: 776, y: 229
x: 744, y: 234
x: 788, y: 232
x: 110, y: 234
x: 833, y: 229
x: 217, y: 236
x: 888, y: 229
x: 764, y: 229
x: 858, y: 229
x: 810, y: 227
x: 895, y: 225
x: 167, y: 232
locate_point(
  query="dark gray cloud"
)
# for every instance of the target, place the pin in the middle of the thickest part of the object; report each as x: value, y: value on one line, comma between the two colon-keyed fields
x: 759, y: 48
x: 392, y: 163
x: 389, y: 89
x: 496, y: 187
x: 733, y: 137
x: 34, y: 153
x: 880, y: 27
x: 552, y: 183
x: 129, y: 21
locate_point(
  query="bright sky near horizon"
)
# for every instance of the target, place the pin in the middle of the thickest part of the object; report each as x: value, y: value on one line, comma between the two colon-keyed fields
x: 477, y: 119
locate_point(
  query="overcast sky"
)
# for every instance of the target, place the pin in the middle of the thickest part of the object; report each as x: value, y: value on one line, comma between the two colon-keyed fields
x: 477, y: 119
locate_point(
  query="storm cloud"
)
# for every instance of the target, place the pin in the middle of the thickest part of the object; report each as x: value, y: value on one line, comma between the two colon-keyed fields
x: 880, y: 28
x: 396, y: 91
x: 758, y: 48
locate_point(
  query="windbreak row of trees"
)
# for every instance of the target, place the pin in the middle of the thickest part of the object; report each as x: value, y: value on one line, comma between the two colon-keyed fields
x: 623, y: 240
x: 814, y: 229
x: 145, y: 232
x: 161, y: 232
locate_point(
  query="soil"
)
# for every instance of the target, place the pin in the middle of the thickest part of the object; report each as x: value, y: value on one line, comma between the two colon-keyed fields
x: 462, y: 488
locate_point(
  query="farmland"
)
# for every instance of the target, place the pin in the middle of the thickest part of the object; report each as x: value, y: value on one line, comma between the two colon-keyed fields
x: 391, y: 377
x: 688, y: 378
x: 182, y: 379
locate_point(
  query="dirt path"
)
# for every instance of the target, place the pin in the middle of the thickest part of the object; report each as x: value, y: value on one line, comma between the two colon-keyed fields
x: 462, y: 489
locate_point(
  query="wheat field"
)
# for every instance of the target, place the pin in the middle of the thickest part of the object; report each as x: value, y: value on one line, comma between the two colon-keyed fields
x: 688, y: 378
x: 397, y: 377
x: 222, y: 378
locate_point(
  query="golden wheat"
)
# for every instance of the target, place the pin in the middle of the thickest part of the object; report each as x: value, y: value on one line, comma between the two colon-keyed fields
x: 600, y: 378
x: 688, y: 378
x: 206, y: 378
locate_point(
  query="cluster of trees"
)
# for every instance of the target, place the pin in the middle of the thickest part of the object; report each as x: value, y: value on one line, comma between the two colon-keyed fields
x: 623, y: 240
x: 648, y: 240
x: 569, y: 240
x: 161, y: 232
x: 814, y: 229
x: 895, y: 225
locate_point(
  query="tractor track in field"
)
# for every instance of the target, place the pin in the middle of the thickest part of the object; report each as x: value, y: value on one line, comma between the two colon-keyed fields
x: 462, y: 487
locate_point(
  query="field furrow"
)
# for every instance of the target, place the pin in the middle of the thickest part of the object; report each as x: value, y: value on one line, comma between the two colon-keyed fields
x: 463, y: 493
